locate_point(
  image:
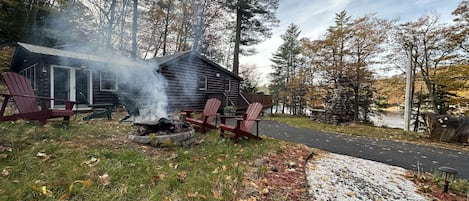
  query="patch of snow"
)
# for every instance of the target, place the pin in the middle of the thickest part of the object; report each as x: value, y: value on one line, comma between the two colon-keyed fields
x: 339, y: 177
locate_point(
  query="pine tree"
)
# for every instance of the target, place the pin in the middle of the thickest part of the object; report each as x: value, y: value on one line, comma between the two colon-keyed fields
x: 254, y: 22
x: 286, y: 60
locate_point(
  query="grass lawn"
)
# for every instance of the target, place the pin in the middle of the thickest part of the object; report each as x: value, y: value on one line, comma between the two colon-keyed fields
x: 94, y: 161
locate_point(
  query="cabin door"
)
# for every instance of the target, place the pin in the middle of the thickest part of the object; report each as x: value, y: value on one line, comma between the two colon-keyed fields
x: 71, y: 84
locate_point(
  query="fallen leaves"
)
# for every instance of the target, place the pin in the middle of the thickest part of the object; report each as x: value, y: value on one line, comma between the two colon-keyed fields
x: 91, y: 163
x: 280, y: 174
x: 43, y: 156
x: 191, y: 195
x: 195, y: 195
x: 85, y: 184
x: 4, y: 148
x: 42, y: 189
x: 156, y: 178
x: 182, y: 176
x: 104, y: 179
x: 216, y: 194
x: 7, y: 171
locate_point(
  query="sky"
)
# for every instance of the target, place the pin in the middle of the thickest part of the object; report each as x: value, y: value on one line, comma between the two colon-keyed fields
x: 314, y: 17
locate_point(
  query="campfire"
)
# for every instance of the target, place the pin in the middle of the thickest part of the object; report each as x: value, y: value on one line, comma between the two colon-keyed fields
x: 163, y: 126
x: 164, y: 132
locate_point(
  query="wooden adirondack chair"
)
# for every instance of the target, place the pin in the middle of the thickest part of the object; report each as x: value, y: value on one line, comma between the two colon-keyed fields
x: 244, y: 124
x: 27, y: 102
x: 209, y: 114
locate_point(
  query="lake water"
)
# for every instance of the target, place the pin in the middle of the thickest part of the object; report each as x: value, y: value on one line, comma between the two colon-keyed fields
x: 391, y: 119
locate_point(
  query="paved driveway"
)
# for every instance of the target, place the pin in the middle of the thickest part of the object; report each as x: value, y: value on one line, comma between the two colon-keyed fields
x: 406, y: 155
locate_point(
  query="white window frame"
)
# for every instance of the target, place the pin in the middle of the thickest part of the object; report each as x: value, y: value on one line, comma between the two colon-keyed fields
x: 30, y: 74
x: 205, y: 82
x: 116, y: 86
x: 72, y: 82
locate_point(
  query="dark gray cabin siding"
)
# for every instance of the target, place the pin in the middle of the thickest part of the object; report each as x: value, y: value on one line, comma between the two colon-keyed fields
x: 102, y: 96
x: 182, y: 76
x: 44, y: 80
x: 182, y: 71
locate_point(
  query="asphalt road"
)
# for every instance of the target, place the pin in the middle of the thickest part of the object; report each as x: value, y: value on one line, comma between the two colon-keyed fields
x: 405, y: 155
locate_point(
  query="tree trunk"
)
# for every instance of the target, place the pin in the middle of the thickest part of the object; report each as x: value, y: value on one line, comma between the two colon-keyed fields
x: 356, y: 90
x: 112, y: 13
x: 121, y: 34
x: 237, y: 40
x: 166, y: 25
x: 198, y: 29
x: 134, y: 31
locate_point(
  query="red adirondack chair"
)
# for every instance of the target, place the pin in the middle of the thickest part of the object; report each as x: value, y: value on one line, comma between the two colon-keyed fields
x: 244, y: 124
x: 27, y: 102
x: 209, y: 114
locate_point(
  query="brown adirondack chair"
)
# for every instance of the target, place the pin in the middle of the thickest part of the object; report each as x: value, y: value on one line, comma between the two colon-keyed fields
x: 209, y: 114
x: 27, y: 102
x: 244, y: 124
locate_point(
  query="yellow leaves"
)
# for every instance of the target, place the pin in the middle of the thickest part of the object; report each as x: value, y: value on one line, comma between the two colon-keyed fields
x: 249, y: 199
x: 43, y: 156
x: 228, y: 177
x: 157, y: 178
x: 90, y: 163
x: 104, y: 179
x: 182, y: 176
x: 196, y: 194
x: 7, y: 171
x: 42, y: 189
x: 215, y: 171
x: 216, y: 194
x: 191, y: 195
x: 252, y: 199
x: 174, y: 166
x: 86, y: 184
x: 264, y: 191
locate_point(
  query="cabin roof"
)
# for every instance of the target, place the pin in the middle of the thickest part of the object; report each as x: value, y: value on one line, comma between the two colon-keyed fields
x: 58, y: 52
x: 47, y: 51
x: 162, y: 61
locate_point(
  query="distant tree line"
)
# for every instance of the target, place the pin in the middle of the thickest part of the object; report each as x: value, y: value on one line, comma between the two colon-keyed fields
x: 220, y: 30
x: 352, y: 53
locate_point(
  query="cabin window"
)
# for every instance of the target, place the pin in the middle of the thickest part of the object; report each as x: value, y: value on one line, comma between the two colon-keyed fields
x: 202, y: 82
x: 108, y: 81
x: 30, y: 73
x: 227, y: 84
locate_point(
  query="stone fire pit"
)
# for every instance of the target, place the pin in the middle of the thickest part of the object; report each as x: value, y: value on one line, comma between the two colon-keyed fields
x: 163, y: 133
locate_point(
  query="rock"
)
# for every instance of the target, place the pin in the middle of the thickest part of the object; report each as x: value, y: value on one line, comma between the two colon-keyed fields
x: 446, y: 128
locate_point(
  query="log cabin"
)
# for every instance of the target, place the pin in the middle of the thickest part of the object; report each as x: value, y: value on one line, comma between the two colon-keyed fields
x: 91, y: 79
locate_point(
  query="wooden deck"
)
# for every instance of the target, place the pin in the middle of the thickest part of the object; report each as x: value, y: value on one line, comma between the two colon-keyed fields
x: 246, y: 99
